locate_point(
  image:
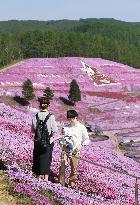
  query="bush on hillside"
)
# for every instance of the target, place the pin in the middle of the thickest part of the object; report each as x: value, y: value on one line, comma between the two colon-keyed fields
x: 48, y: 93
x: 28, y: 90
x: 74, y: 92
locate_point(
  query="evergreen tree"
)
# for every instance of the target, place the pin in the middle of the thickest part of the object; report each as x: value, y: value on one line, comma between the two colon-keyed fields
x: 74, y: 92
x: 98, y: 38
x: 48, y: 93
x: 28, y: 91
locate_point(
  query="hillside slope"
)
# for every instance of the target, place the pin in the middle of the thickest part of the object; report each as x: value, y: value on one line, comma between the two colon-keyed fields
x: 110, y: 99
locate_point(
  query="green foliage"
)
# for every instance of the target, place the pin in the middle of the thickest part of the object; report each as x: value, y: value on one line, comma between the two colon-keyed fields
x: 74, y: 92
x: 28, y: 91
x: 48, y: 93
x: 97, y: 38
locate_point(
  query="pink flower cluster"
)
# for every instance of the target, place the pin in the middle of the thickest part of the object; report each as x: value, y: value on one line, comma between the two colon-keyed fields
x: 106, y: 106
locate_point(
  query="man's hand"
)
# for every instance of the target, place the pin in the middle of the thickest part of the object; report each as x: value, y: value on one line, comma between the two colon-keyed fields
x: 64, y: 146
x: 77, y: 149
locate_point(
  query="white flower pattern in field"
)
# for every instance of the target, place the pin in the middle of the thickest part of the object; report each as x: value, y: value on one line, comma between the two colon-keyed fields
x: 96, y: 76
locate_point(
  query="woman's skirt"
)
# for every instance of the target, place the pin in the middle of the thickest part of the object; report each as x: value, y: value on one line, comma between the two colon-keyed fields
x: 42, y: 159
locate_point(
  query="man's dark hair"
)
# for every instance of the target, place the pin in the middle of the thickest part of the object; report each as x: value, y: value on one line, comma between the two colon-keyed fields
x: 44, y: 103
x: 72, y: 114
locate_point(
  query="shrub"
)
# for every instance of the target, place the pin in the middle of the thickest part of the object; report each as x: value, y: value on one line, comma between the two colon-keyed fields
x: 74, y: 92
x: 28, y: 92
x: 48, y: 93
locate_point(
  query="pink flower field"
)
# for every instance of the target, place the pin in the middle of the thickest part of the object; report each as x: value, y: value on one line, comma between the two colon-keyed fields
x: 110, y: 99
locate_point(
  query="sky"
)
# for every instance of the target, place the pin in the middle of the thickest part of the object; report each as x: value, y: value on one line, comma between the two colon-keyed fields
x: 125, y: 10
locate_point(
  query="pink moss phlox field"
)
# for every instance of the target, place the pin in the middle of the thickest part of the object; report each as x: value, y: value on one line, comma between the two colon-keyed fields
x: 34, y: 195
x: 110, y: 99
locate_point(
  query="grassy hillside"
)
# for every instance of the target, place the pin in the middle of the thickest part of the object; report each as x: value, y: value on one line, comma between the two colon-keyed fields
x: 67, y: 25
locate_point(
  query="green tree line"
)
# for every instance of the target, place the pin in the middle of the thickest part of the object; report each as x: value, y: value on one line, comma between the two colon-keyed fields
x: 98, y: 38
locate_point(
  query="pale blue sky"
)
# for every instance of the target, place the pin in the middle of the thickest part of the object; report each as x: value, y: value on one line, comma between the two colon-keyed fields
x: 126, y: 10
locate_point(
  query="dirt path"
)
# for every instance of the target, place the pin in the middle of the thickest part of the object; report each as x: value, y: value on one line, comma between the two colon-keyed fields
x: 10, y: 199
x: 116, y: 140
x: 10, y: 66
x: 5, y: 197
